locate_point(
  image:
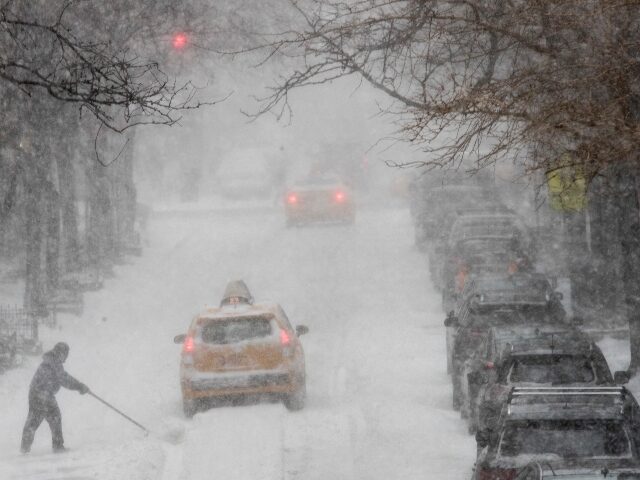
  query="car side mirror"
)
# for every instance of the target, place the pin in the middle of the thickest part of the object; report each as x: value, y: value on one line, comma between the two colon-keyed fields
x: 621, y: 377
x: 483, y: 437
x: 301, y: 330
x: 179, y: 338
x: 451, y: 321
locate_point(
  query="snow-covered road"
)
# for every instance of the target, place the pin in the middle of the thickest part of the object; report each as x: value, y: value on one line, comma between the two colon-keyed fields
x: 378, y: 395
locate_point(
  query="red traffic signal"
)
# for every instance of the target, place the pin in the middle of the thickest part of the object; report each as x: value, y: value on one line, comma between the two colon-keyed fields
x: 179, y: 41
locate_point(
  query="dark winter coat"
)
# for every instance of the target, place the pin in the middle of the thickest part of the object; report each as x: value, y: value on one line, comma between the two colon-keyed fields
x: 50, y: 376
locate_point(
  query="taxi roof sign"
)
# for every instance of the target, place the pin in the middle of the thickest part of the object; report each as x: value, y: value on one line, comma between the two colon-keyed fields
x: 236, y: 293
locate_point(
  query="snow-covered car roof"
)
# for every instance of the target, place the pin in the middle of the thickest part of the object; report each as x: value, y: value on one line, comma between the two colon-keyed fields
x: 516, y: 289
x: 542, y: 339
x: 238, y: 310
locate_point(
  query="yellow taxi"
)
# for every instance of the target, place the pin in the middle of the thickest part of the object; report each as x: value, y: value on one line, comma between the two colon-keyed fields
x: 240, y: 349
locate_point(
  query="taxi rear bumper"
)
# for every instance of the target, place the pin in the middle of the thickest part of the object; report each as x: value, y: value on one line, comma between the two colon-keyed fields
x: 226, y: 384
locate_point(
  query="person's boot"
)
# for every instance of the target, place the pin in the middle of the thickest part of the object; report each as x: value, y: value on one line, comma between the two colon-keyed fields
x: 60, y: 449
x: 24, y: 450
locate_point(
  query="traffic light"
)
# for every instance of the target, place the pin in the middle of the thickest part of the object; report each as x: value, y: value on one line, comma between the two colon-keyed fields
x: 179, y: 41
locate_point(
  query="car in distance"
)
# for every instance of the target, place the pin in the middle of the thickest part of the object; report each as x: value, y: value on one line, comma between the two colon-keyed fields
x: 319, y: 199
x: 242, y: 349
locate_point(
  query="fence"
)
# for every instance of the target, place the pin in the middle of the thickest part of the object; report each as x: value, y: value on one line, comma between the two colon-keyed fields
x: 24, y: 324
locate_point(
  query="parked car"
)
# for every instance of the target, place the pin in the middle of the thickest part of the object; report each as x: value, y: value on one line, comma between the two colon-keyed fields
x: 494, y: 223
x: 473, y: 256
x: 319, y: 199
x: 554, y: 424
x: 242, y: 349
x: 436, y: 208
x: 478, y: 223
x: 488, y: 299
x: 535, y: 355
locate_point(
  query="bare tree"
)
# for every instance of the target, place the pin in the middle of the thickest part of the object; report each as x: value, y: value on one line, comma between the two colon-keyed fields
x: 54, y: 47
x: 483, y: 77
x: 476, y: 81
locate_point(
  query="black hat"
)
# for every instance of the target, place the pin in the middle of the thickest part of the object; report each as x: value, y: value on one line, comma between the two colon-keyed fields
x: 61, y: 349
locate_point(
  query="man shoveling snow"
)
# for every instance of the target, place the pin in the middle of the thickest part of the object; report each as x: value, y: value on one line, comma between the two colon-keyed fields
x: 46, y: 382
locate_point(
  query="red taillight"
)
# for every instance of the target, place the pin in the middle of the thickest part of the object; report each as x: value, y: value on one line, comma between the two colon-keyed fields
x: 285, y: 338
x: 292, y: 199
x: 496, y: 474
x: 340, y: 196
x: 489, y: 365
x: 188, y: 346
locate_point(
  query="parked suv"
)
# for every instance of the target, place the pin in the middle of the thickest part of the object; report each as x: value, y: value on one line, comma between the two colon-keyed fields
x: 537, y: 355
x: 488, y: 300
x: 557, y: 423
x: 473, y: 256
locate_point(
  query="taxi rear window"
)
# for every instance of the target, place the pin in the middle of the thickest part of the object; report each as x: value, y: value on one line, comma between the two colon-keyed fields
x: 234, y: 330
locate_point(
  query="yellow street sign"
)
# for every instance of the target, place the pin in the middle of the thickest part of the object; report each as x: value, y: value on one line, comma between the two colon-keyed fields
x: 567, y: 187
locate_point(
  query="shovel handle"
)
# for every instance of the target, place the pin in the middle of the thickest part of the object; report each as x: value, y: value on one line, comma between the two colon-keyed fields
x: 118, y: 411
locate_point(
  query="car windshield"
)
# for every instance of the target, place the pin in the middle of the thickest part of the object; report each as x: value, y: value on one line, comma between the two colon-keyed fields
x: 522, y: 315
x: 566, y: 438
x: 483, y: 245
x: 554, y: 369
x: 234, y: 330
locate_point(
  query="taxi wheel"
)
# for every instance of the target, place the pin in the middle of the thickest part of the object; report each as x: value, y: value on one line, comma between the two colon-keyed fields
x: 189, y: 407
x: 295, y: 401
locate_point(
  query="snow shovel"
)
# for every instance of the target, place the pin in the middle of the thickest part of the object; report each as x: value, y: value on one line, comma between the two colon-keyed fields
x: 174, y: 435
x: 146, y: 431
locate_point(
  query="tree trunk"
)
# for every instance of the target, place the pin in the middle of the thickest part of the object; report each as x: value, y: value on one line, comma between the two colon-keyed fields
x: 69, y: 211
x: 34, y: 296
x: 629, y: 234
x: 52, y: 250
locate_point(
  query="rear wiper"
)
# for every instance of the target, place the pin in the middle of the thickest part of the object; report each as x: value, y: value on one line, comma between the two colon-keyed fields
x: 550, y: 468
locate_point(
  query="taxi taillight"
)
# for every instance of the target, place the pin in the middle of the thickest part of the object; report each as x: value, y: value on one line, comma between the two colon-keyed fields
x: 189, y: 345
x: 340, y: 196
x: 285, y: 338
x: 292, y: 199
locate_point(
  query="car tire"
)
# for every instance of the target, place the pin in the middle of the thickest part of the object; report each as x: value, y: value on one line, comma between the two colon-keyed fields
x: 295, y: 401
x: 189, y: 407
